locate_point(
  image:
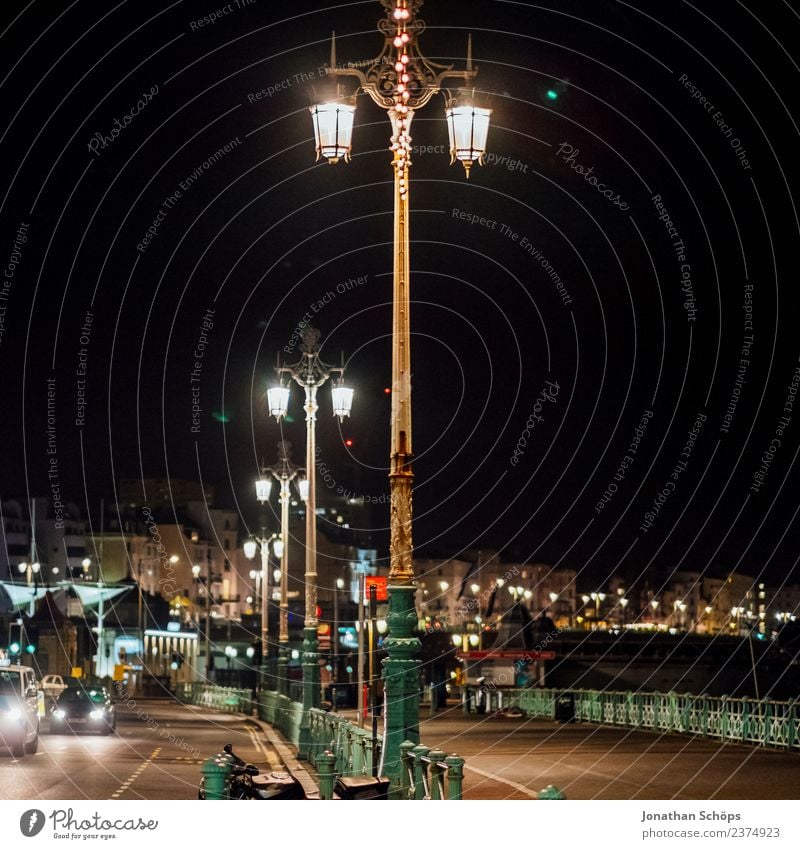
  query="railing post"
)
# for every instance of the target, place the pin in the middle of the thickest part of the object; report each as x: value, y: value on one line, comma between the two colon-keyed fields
x: 356, y: 751
x: 326, y: 770
x: 688, y: 706
x: 791, y: 719
x: 455, y: 777
x: 405, y: 789
x: 420, y: 777
x: 369, y: 753
x: 768, y: 711
x: 746, y: 720
x: 724, y: 718
x: 436, y: 757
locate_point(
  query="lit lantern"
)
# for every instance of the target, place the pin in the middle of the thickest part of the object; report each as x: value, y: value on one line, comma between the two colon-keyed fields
x: 468, y: 126
x: 250, y: 547
x: 278, y: 400
x: 333, y: 128
x: 342, y: 397
x: 302, y: 488
x: 277, y: 548
x: 263, y: 489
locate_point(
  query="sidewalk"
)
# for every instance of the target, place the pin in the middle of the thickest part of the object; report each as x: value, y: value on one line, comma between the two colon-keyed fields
x: 514, y: 758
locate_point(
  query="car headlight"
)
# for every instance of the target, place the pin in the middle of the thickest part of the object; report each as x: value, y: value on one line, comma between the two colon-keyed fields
x: 12, y: 714
x: 59, y: 714
x: 96, y: 714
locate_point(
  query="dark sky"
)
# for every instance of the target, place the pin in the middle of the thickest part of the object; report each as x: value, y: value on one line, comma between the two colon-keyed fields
x: 685, y: 112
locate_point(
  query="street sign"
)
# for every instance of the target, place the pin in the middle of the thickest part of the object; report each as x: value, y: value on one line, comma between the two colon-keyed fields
x: 380, y: 584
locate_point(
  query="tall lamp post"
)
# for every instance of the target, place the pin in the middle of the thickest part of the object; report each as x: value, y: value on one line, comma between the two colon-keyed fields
x: 310, y: 372
x: 261, y: 579
x: 401, y: 81
x: 284, y: 471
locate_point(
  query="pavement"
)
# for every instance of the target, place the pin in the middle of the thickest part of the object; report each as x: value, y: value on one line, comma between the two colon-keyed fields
x: 514, y: 758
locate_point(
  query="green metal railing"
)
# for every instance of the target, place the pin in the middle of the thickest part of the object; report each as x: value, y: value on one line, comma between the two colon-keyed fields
x: 354, y: 749
x: 760, y: 722
x: 228, y: 699
x: 282, y: 713
x: 344, y: 749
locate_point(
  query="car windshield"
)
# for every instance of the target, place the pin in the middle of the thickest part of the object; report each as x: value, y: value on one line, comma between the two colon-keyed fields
x: 79, y: 695
x: 9, y: 683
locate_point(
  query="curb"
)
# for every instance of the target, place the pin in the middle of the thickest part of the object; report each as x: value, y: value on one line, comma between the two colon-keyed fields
x: 288, y: 758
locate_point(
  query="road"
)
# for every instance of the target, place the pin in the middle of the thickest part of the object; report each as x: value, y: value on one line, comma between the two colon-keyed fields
x: 155, y: 754
x: 514, y: 758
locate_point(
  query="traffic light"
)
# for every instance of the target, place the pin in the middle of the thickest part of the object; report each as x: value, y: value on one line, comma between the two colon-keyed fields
x: 553, y: 92
x: 15, y: 638
x: 31, y: 638
x: 177, y: 660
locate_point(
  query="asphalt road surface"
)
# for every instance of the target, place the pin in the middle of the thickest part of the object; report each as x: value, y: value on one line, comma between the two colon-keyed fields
x: 155, y: 754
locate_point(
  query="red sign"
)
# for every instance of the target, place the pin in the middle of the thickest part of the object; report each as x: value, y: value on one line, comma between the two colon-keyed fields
x: 324, y: 636
x: 380, y: 584
x: 520, y: 654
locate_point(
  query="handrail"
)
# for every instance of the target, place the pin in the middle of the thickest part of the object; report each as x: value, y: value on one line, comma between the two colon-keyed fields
x: 761, y: 722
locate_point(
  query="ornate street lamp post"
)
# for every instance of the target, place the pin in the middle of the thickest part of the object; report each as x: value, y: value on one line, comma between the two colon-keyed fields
x: 401, y: 80
x: 284, y: 471
x: 310, y: 372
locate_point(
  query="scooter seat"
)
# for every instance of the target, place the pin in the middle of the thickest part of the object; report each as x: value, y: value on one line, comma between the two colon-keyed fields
x: 273, y: 779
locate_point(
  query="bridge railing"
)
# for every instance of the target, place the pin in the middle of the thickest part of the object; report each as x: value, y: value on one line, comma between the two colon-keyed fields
x: 228, y: 699
x: 425, y: 773
x: 761, y: 722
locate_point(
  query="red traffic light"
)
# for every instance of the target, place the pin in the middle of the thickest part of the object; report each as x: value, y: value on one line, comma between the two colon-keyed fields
x: 348, y: 443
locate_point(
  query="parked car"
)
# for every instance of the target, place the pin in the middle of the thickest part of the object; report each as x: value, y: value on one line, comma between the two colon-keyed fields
x: 19, y: 709
x: 53, y: 686
x: 83, y: 708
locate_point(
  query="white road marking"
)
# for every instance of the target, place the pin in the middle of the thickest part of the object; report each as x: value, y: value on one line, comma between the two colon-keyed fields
x: 521, y: 787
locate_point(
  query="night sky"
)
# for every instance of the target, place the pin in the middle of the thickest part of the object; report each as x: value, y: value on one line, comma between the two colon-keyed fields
x: 612, y: 296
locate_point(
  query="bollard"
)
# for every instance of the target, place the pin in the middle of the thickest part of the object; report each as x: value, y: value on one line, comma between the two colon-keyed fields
x: 437, y: 769
x: 406, y: 790
x: 216, y: 772
x: 550, y: 792
x: 420, y: 771
x: 455, y: 776
x: 326, y: 771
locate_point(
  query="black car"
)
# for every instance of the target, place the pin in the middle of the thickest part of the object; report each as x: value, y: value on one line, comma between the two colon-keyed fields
x: 83, y: 708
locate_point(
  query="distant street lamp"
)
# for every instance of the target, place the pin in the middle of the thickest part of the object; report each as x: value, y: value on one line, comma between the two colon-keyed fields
x: 285, y: 472
x: 260, y: 577
x: 623, y: 602
x: 401, y: 81
x: 310, y: 372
